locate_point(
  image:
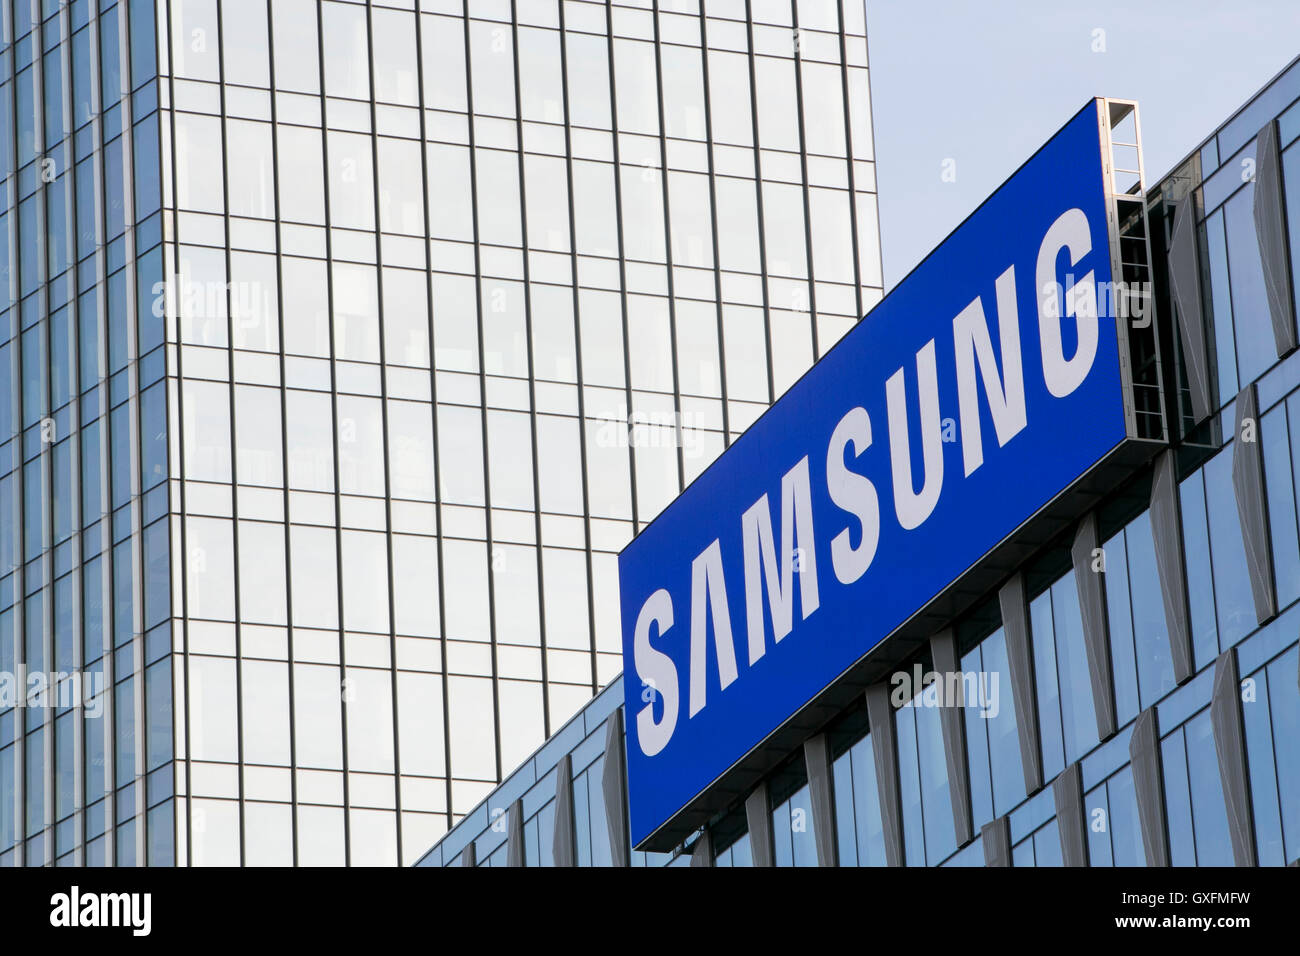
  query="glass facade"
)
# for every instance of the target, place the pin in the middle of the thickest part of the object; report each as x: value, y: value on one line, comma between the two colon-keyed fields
x: 345, y: 345
x: 85, y: 550
x: 1191, y: 792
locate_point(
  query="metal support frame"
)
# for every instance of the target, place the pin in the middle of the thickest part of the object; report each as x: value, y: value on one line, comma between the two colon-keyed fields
x: 821, y: 790
x: 952, y: 718
x: 884, y: 749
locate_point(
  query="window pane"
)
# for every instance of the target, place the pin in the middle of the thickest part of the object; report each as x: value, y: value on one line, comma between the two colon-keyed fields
x: 351, y: 181
x: 297, y: 61
x: 347, y: 57
x: 395, y: 69
x: 258, y: 443
x: 1155, y: 666
x: 1236, y: 605
x: 1255, y: 346
x: 261, y: 573
x: 245, y: 52
x: 492, y: 68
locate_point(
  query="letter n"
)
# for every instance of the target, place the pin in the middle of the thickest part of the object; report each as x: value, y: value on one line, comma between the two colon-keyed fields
x: 1005, y: 392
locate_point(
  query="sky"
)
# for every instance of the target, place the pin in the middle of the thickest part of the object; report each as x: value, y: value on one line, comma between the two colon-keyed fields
x: 964, y: 91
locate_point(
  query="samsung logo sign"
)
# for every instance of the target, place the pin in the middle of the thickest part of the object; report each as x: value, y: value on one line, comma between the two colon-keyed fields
x: 983, y: 386
x: 772, y: 574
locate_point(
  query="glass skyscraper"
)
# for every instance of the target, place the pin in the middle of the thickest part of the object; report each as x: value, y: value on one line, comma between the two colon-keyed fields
x: 344, y: 346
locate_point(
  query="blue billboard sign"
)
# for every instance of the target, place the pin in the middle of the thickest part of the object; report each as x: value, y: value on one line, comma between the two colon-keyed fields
x: 981, y: 388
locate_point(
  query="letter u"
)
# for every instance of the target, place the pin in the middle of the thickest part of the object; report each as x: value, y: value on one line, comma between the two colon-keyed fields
x: 914, y: 507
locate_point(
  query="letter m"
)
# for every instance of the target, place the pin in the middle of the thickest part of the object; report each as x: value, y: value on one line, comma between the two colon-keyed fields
x: 116, y: 909
x: 761, y: 559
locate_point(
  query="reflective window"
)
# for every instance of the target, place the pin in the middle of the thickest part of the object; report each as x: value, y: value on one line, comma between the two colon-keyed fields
x: 1271, y: 710
x: 473, y: 749
x: 212, y: 702
x: 301, y: 179
x: 297, y: 61
x: 1198, y: 818
x: 1133, y: 589
x: 588, y: 67
x: 857, y: 807
x: 783, y: 218
x: 793, y: 834
x: 692, y: 228
x: 369, y: 703
x: 554, y: 352
x: 206, y: 430
x: 396, y: 77
x: 451, y: 210
x: 683, y: 92
x: 258, y: 444
x: 1280, y: 450
x: 1291, y: 178
x: 1232, y: 594
x: 406, y: 317
x: 510, y: 452
x: 546, y: 178
x: 594, y: 208
x: 244, y: 52
x: 636, y: 87
x: 347, y: 56
x: 318, y: 720
x: 1256, y: 350
x: 465, y: 578
x: 309, y: 440
x: 442, y: 41
x: 928, y: 834
x: 643, y: 213
x: 313, y: 565
x: 360, y: 445
x: 415, y: 603
x: 210, y: 583
x: 497, y: 188
x: 1200, y: 577
x: 541, y: 88
x: 254, y: 310
x: 262, y: 574
x: 776, y: 98
x: 356, y: 312
x: 1066, y: 716
x: 264, y: 697
x: 1225, y: 346
x: 410, y: 450
x: 992, y: 742
x: 195, y: 41
x: 351, y: 181
x: 559, y: 473
x: 492, y: 68
x: 198, y: 162
x: 401, y: 197
x: 823, y: 107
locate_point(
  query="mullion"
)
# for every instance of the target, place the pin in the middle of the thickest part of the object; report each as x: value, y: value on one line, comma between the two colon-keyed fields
x: 386, y: 437
x: 334, y: 432
x: 284, y: 447
x: 532, y: 382
x: 579, y: 375
x: 433, y: 411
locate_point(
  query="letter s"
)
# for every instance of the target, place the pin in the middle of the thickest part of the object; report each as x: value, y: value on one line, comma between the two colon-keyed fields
x: 658, y: 669
x: 853, y: 493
